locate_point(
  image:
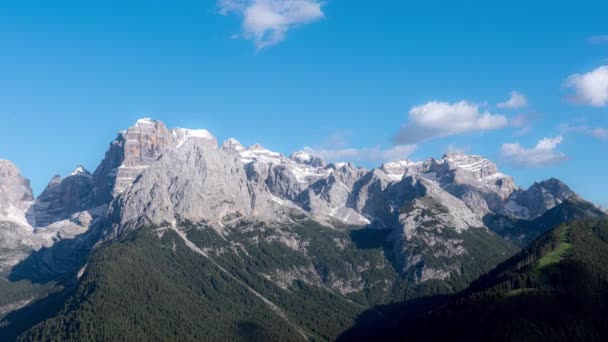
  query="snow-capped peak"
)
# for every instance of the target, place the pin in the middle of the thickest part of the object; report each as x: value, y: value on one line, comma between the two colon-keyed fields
x: 182, y: 135
x: 480, y: 167
x: 233, y: 144
x: 301, y: 157
x: 145, y: 121
x: 257, y: 152
x: 80, y: 170
x: 397, y: 169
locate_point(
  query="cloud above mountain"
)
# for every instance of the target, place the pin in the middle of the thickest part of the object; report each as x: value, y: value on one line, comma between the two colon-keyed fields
x: 516, y: 101
x: 441, y: 119
x: 544, y: 153
x: 369, y: 154
x: 590, y: 88
x: 266, y: 22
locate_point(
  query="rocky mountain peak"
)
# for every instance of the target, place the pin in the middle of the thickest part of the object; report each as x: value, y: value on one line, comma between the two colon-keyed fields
x: 232, y: 144
x: 478, y: 166
x: 306, y: 158
x: 80, y: 171
x: 539, y: 198
x: 15, y: 193
x: 397, y: 169
x: 129, y: 154
x: 196, y: 182
x: 183, y: 135
x: 62, y: 198
x: 259, y: 153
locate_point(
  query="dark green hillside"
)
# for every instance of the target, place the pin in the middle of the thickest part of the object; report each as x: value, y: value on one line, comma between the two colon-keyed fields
x: 554, y: 290
x: 253, y: 282
x: 140, y: 289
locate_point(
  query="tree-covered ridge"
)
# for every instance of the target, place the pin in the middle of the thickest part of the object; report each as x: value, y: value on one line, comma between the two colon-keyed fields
x: 556, y: 289
x: 143, y: 288
x: 247, y: 281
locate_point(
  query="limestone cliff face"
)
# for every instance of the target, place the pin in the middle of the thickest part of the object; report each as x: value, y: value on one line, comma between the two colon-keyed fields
x: 128, y: 156
x: 63, y: 198
x: 15, y: 193
x: 540, y: 197
x: 15, y: 199
x: 195, y: 182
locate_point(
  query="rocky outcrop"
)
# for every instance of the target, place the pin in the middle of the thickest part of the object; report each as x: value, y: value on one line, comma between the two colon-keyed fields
x: 129, y: 154
x: 15, y: 194
x: 194, y: 182
x: 540, y: 197
x: 330, y: 198
x: 473, y: 179
x: 63, y: 198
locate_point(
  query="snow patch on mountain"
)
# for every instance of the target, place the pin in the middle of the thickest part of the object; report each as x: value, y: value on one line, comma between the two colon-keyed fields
x: 183, y: 135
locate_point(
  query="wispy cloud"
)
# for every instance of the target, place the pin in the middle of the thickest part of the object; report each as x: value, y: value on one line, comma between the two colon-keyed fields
x: 543, y: 154
x: 597, y: 40
x: 370, y: 154
x: 596, y: 132
x: 458, y: 149
x: 515, y: 101
x: 524, y: 122
x: 590, y: 88
x: 266, y: 22
x: 440, y: 119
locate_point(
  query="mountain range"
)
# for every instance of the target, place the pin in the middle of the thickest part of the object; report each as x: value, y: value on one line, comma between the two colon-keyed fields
x: 175, y: 236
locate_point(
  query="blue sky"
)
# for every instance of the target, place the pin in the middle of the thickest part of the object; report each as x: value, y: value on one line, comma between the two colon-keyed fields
x: 348, y: 79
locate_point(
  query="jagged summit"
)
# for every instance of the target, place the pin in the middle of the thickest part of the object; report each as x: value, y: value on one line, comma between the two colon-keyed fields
x: 183, y: 135
x: 15, y: 193
x: 233, y: 145
x: 146, y: 121
x: 306, y: 158
x: 80, y: 171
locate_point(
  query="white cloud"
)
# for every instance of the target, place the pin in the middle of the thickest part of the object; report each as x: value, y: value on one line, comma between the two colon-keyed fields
x: 524, y: 122
x: 371, y: 154
x: 590, y: 88
x: 266, y: 22
x: 597, y: 132
x: 597, y: 40
x: 543, y: 154
x: 439, y: 119
x: 516, y: 101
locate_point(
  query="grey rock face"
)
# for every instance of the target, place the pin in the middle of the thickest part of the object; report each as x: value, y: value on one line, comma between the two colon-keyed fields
x: 17, y: 236
x: 15, y: 198
x: 282, y: 177
x: 305, y: 158
x: 473, y: 179
x: 62, y: 198
x: 195, y: 182
x: 329, y: 197
x: 429, y: 242
x: 131, y: 153
x: 15, y: 194
x: 232, y: 144
x: 539, y: 198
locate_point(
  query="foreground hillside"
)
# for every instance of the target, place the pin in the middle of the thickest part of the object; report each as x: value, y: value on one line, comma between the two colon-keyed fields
x: 554, y: 290
x: 193, y: 283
